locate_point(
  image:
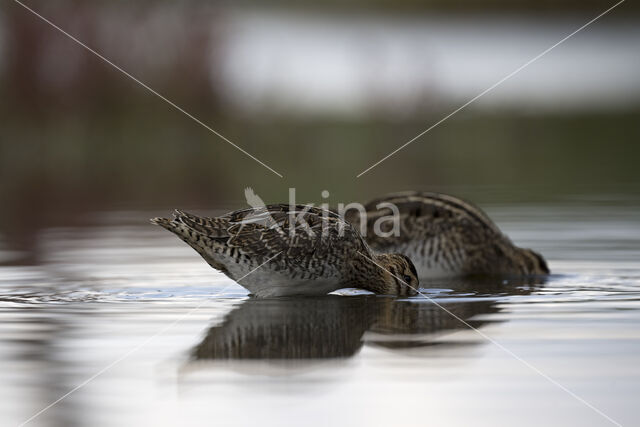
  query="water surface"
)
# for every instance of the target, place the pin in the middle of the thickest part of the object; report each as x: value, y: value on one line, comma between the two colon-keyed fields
x: 178, y: 343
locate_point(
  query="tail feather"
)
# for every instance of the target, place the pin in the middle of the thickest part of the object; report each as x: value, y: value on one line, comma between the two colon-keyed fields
x: 212, y: 228
x: 193, y: 222
x: 181, y: 230
x: 185, y: 228
x: 191, y: 227
x: 162, y: 222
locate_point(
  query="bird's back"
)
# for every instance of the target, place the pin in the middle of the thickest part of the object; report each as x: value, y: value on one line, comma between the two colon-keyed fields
x: 444, y: 236
x: 299, y: 251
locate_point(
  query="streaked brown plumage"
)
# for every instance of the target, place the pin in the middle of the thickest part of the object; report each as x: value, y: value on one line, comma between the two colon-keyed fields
x: 305, y: 251
x: 446, y: 236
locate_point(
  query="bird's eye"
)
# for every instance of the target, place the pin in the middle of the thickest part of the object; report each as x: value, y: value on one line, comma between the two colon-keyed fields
x: 407, y: 279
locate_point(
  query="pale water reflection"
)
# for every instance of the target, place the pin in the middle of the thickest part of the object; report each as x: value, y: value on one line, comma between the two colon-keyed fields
x: 326, y: 328
x: 336, y: 326
x: 105, y: 291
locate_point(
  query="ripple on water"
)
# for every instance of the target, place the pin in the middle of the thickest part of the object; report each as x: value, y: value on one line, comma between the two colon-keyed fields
x: 101, y: 292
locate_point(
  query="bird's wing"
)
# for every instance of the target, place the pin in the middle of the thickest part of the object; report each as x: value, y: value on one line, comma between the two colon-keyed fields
x: 425, y: 215
x: 301, y: 233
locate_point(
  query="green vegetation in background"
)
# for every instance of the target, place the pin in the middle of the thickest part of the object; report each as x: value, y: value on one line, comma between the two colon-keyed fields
x: 162, y: 158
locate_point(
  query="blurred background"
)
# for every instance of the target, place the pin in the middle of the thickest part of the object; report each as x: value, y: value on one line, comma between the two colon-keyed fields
x: 317, y: 92
x: 91, y: 293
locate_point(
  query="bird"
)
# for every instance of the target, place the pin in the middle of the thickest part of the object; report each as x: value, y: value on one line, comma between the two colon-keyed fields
x: 444, y: 236
x: 283, y: 250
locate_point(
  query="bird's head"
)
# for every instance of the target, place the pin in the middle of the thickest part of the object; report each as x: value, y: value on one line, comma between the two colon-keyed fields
x: 399, y: 275
x: 535, y: 263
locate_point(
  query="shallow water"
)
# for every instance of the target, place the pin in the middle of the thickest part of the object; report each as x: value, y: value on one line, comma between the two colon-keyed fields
x: 152, y: 335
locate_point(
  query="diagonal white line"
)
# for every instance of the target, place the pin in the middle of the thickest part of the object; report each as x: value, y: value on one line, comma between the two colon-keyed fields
x: 490, y: 88
x: 501, y: 347
x: 156, y: 93
x: 138, y: 347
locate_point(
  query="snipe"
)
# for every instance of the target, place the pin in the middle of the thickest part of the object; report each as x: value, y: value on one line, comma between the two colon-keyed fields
x: 279, y: 251
x: 446, y: 236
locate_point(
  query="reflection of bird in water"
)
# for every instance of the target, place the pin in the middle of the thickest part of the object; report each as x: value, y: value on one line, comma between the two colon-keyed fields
x: 279, y: 251
x: 445, y: 236
x: 289, y: 328
x: 334, y: 326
